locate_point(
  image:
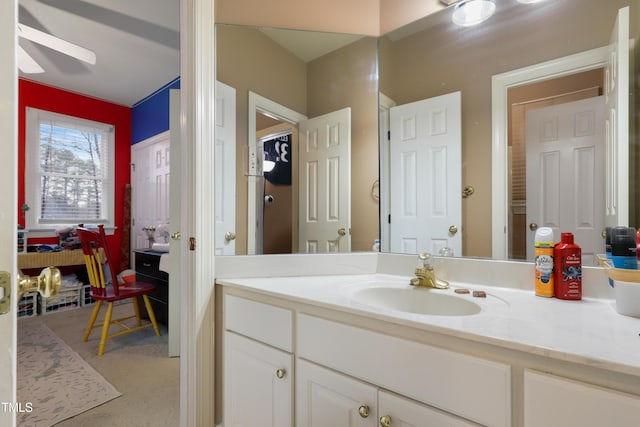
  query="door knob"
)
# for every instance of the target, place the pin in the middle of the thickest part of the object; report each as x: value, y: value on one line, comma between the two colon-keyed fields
x: 453, y: 229
x: 342, y: 231
x: 176, y: 235
x: 280, y: 373
x: 229, y: 236
x: 533, y: 226
x: 385, y: 421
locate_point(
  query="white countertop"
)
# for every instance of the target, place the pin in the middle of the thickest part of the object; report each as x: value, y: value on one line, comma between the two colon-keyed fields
x: 589, y: 331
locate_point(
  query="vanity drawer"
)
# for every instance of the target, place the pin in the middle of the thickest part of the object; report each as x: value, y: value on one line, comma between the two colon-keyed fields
x: 263, y: 322
x: 471, y: 387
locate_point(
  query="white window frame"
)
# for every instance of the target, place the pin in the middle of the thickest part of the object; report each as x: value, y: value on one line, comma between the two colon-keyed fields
x: 33, y: 224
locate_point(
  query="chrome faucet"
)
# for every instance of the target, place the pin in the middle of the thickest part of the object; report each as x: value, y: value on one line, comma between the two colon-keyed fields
x: 426, y: 275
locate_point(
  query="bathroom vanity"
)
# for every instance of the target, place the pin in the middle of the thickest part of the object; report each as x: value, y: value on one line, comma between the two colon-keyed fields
x: 351, y: 350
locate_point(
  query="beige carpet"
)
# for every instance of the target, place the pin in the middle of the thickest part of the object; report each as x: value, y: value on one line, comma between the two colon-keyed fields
x: 55, y: 383
x: 136, y: 364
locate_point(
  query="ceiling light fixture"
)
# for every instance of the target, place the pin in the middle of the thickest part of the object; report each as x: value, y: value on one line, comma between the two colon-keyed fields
x: 529, y: 1
x: 472, y: 12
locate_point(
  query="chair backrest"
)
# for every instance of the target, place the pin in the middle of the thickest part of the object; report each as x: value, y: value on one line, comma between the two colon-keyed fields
x: 98, y: 260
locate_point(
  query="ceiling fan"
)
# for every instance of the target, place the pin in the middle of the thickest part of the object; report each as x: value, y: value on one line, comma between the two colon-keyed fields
x: 28, y: 65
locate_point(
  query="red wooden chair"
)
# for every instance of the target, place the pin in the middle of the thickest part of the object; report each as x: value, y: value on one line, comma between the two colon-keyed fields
x: 105, y: 288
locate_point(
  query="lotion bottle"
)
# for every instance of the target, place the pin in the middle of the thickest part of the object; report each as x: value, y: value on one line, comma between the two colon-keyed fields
x: 544, y: 244
x: 567, y: 258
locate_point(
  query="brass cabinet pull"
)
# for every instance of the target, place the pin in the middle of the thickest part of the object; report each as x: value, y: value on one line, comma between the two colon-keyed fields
x: 363, y: 411
x: 280, y: 373
x: 385, y: 421
x: 229, y: 236
x: 176, y: 235
x: 533, y: 226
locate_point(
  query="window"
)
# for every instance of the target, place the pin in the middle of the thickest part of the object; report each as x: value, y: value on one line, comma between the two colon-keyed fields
x: 69, y: 171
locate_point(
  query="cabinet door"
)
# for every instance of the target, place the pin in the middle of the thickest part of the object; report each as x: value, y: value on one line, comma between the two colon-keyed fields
x: 554, y: 401
x: 257, y: 384
x: 327, y: 398
x: 398, y: 411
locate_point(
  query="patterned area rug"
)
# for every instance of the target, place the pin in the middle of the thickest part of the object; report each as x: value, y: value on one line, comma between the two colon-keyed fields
x: 54, y: 379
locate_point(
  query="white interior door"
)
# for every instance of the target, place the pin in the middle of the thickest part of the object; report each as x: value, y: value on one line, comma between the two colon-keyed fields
x: 150, y: 177
x: 225, y: 170
x: 325, y: 183
x: 175, y: 213
x: 426, y: 193
x: 9, y: 196
x: 565, y: 173
x: 617, y: 123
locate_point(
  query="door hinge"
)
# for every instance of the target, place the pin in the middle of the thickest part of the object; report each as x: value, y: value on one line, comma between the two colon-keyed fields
x: 192, y: 243
x: 389, y: 219
x: 133, y: 167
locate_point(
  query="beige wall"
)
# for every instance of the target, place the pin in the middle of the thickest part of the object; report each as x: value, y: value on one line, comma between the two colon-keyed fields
x: 352, y: 16
x: 348, y: 78
x: 444, y: 59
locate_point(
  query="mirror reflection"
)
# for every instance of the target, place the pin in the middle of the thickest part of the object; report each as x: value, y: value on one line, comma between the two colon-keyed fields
x: 305, y: 104
x: 432, y: 58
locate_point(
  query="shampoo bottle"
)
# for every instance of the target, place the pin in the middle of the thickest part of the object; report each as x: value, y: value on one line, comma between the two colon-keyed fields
x: 544, y: 244
x: 567, y: 258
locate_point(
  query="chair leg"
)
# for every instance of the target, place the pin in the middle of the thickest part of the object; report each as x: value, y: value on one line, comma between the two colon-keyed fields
x: 105, y: 328
x: 92, y: 320
x: 151, y: 314
x: 136, y: 310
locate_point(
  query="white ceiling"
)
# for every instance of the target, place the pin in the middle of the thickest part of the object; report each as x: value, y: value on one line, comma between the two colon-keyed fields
x: 137, y: 44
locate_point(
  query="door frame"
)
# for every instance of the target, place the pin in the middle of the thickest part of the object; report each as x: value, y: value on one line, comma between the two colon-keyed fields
x: 255, y: 187
x: 500, y: 84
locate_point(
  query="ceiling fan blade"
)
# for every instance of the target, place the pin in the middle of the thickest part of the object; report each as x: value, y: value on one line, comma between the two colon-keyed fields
x: 57, y: 43
x: 27, y: 64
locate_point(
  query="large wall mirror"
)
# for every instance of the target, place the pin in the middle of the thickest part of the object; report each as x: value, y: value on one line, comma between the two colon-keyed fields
x: 306, y: 140
x: 276, y: 86
x: 424, y: 62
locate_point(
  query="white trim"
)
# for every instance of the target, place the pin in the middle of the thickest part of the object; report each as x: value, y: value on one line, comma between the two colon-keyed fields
x: 384, y: 104
x: 32, y: 175
x: 255, y: 187
x: 501, y: 83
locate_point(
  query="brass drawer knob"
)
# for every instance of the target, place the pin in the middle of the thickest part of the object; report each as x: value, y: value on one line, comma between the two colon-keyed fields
x: 385, y: 421
x: 363, y: 411
x: 280, y: 373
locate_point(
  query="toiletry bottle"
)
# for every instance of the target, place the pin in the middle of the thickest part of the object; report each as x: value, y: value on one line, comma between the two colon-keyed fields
x: 623, y: 248
x: 544, y: 244
x: 567, y: 280
x: 607, y: 242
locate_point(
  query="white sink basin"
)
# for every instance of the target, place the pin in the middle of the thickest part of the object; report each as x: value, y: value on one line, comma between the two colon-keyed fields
x: 418, y: 300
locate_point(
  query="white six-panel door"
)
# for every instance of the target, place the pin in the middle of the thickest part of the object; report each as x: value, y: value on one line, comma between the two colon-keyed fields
x: 425, y: 173
x: 225, y: 170
x: 150, y: 177
x: 325, y: 183
x: 565, y: 173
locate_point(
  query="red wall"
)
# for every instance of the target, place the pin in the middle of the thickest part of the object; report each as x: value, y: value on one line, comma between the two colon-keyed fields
x: 31, y: 94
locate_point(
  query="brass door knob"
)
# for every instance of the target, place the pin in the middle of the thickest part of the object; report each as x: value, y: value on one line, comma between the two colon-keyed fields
x: 533, y: 226
x: 363, y: 411
x: 342, y: 231
x: 229, y: 236
x: 385, y: 421
x: 280, y: 373
x: 453, y: 229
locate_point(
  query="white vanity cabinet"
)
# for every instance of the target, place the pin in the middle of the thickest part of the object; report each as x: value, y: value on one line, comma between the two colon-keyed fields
x: 328, y: 398
x: 469, y: 387
x: 550, y: 400
x: 258, y: 377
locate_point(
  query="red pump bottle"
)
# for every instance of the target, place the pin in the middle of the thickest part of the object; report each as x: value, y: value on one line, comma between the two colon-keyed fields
x: 567, y: 269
